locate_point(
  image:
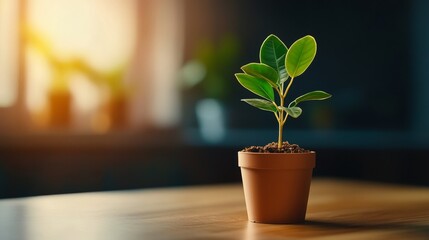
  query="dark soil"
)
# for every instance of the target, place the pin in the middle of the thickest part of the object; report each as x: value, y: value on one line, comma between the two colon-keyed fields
x: 272, y: 148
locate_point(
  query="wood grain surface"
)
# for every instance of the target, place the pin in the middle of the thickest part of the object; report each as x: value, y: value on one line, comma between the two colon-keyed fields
x: 337, y: 209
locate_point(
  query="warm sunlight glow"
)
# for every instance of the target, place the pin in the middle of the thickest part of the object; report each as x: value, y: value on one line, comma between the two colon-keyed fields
x: 66, y: 38
x: 168, y: 26
x: 8, y: 51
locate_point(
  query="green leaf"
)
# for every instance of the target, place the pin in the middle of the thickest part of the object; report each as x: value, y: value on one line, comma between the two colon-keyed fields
x: 300, y: 55
x: 273, y: 52
x: 263, y: 71
x: 256, y: 85
x: 293, y: 111
x: 261, y: 104
x: 310, y: 96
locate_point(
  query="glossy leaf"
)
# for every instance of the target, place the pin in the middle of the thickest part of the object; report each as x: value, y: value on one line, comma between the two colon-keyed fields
x: 293, y: 111
x: 300, y: 55
x: 273, y: 52
x: 261, y: 104
x: 310, y: 96
x: 256, y: 85
x: 263, y: 71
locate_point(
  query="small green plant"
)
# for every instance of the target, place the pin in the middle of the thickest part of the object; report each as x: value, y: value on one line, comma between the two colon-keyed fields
x: 276, y: 71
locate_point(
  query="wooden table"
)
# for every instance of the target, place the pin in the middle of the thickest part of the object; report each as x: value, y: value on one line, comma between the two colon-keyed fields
x: 337, y: 210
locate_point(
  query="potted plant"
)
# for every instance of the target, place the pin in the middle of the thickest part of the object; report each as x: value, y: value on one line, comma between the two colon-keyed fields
x: 113, y: 112
x: 277, y: 177
x: 117, y: 104
x: 59, y: 97
x: 59, y: 100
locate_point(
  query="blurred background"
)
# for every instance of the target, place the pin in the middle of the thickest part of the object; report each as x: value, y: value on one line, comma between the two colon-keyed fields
x: 102, y: 95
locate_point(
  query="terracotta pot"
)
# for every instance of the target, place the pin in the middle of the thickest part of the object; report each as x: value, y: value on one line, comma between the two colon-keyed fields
x: 276, y: 185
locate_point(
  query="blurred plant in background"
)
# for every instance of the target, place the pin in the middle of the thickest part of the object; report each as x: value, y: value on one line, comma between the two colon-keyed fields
x: 114, y: 108
x: 206, y: 77
x: 208, y: 70
x: 113, y: 111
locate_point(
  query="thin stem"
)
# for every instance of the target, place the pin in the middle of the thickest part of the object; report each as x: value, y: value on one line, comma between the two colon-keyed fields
x: 276, y: 113
x: 281, y: 116
x: 280, y: 141
x: 288, y: 86
x: 279, y: 91
x: 277, y: 117
x: 284, y: 120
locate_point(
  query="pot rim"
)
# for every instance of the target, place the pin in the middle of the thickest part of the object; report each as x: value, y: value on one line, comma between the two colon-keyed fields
x: 277, y: 160
x: 269, y: 153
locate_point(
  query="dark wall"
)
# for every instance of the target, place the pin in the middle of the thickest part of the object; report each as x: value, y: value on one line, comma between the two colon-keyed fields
x: 56, y: 164
x: 64, y: 164
x: 365, y: 56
